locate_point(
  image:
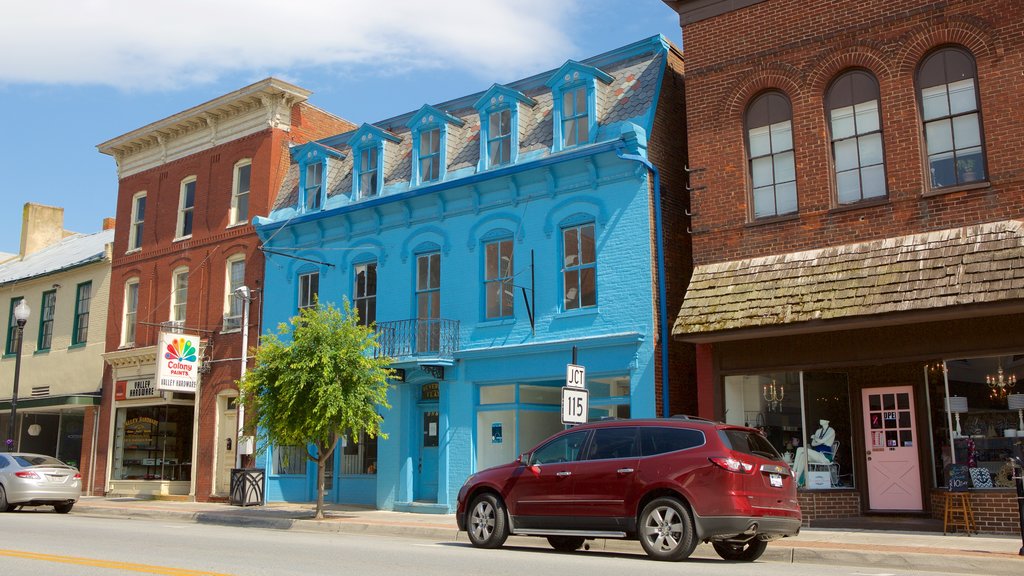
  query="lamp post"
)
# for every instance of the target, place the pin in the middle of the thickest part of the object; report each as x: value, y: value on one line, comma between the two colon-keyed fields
x: 21, y: 314
x: 245, y: 294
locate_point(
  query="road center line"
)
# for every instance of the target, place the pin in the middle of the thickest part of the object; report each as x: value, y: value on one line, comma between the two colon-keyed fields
x: 125, y: 566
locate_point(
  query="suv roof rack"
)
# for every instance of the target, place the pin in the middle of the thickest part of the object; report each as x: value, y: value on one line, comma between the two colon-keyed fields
x: 688, y: 417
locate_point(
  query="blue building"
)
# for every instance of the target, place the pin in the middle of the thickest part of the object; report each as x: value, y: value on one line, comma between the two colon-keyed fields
x: 486, y: 237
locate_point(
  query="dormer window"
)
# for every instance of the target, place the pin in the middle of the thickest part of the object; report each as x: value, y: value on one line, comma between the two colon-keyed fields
x: 312, y: 191
x: 313, y: 159
x: 429, y: 129
x: 368, y: 149
x: 499, y: 125
x: 575, y: 120
x: 499, y: 137
x: 573, y: 90
x: 367, y: 169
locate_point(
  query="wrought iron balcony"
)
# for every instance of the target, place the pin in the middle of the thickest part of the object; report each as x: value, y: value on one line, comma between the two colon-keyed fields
x: 429, y: 338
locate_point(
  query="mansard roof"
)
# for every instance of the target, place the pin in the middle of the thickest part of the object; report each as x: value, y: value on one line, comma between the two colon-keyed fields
x: 625, y: 104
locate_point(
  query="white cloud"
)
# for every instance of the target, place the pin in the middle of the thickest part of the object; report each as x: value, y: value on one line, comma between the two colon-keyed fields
x: 158, y: 44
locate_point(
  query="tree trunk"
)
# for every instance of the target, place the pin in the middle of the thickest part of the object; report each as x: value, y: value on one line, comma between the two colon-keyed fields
x: 320, y: 475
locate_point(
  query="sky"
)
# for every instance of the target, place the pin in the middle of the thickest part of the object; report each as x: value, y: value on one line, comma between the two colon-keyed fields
x: 75, y: 73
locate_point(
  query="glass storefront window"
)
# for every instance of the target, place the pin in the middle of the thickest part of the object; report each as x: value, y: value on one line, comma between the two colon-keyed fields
x: 772, y: 403
x: 513, y: 418
x: 985, y: 429
x: 153, y: 443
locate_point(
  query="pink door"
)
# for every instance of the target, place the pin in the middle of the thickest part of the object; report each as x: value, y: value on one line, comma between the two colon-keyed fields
x: 894, y: 476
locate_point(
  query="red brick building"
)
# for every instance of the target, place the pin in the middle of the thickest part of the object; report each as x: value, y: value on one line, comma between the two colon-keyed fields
x: 858, y: 242
x: 189, y: 186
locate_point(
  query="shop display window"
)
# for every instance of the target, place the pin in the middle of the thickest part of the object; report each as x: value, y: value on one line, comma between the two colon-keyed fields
x: 153, y: 443
x: 976, y: 424
x: 790, y: 408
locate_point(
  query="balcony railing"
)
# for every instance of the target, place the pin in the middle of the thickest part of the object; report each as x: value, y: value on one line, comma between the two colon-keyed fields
x: 437, y: 338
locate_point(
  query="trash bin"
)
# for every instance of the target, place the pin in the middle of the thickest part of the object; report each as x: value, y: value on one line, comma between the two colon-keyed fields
x: 247, y: 486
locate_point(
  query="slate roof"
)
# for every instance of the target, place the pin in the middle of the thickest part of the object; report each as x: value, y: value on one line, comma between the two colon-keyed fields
x: 70, y: 252
x: 927, y: 271
x: 628, y: 98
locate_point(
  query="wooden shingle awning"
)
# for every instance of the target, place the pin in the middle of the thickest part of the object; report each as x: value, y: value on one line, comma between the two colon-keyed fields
x: 940, y: 271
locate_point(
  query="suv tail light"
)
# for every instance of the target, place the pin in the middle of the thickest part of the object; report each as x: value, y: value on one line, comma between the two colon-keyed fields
x: 733, y: 465
x: 28, y: 474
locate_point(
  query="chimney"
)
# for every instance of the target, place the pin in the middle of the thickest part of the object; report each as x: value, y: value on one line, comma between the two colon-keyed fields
x: 108, y: 223
x: 41, y: 226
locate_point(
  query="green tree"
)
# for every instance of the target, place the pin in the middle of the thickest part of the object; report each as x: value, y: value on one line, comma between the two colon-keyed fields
x: 315, y: 380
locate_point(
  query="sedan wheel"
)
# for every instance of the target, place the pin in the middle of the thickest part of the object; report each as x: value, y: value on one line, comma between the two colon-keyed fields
x: 666, y: 530
x: 487, y: 525
x: 741, y: 551
x: 63, y: 508
x: 4, y: 506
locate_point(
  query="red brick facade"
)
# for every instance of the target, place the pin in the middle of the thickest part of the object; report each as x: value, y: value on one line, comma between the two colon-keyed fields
x: 667, y: 150
x: 205, y: 254
x: 736, y: 50
x: 798, y: 48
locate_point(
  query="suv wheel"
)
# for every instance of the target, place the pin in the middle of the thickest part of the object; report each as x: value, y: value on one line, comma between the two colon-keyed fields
x: 486, y: 525
x: 666, y: 530
x: 743, y: 551
x: 566, y: 543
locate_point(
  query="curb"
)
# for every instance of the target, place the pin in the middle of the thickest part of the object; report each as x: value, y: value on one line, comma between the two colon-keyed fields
x: 789, y: 552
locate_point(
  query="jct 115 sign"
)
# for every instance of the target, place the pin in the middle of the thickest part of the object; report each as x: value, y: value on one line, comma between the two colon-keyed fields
x: 177, y: 366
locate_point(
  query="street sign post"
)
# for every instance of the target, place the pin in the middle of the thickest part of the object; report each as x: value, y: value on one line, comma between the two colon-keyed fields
x: 575, y: 376
x: 575, y: 405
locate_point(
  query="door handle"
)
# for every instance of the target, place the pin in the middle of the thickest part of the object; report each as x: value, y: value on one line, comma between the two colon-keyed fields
x: 563, y: 474
x: 419, y: 467
x: 625, y: 470
x: 229, y: 443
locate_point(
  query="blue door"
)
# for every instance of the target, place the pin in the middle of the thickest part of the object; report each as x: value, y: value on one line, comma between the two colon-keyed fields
x: 426, y: 469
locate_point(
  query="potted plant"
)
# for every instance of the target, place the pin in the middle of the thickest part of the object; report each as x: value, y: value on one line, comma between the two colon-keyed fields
x: 966, y: 169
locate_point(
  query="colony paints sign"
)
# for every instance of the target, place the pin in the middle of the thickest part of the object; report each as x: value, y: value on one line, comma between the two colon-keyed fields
x: 177, y: 366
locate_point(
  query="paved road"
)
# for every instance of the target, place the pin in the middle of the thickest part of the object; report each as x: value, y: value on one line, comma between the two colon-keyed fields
x: 51, y: 544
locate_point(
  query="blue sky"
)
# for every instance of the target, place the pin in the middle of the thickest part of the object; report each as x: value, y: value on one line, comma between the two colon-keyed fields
x: 76, y: 73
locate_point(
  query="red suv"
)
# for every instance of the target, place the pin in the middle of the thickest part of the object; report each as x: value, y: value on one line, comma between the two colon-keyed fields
x: 670, y: 483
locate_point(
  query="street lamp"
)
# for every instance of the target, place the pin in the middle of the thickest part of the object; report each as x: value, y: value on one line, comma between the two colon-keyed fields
x: 245, y: 294
x: 21, y: 314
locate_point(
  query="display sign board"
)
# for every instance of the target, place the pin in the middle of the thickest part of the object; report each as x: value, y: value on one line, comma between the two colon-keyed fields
x: 177, y: 366
x: 134, y: 389
x: 959, y: 478
x: 575, y: 376
x: 575, y: 405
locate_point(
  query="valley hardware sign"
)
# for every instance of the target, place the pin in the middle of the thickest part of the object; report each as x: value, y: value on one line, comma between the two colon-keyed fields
x: 177, y: 366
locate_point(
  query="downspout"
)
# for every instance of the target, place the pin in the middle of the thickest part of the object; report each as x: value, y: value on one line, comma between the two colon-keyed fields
x: 620, y: 151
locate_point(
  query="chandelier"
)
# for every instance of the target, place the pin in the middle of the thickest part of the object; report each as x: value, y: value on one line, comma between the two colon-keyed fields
x: 773, y: 394
x: 999, y: 382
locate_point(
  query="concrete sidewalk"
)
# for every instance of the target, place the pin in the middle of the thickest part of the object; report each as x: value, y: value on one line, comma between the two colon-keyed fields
x: 920, y: 551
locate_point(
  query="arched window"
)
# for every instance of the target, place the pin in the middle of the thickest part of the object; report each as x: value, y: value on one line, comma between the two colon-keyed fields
x: 770, y: 148
x: 855, y: 127
x: 951, y: 113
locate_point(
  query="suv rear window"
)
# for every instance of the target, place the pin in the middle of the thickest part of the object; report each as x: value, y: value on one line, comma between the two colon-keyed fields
x: 749, y: 442
x: 658, y: 440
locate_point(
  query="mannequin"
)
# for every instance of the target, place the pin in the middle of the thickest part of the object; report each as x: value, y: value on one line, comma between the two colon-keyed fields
x: 820, y: 453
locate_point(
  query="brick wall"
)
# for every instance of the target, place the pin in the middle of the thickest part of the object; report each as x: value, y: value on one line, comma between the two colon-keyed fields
x: 205, y: 254
x: 799, y: 47
x: 995, y: 511
x: 828, y: 504
x: 667, y: 151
